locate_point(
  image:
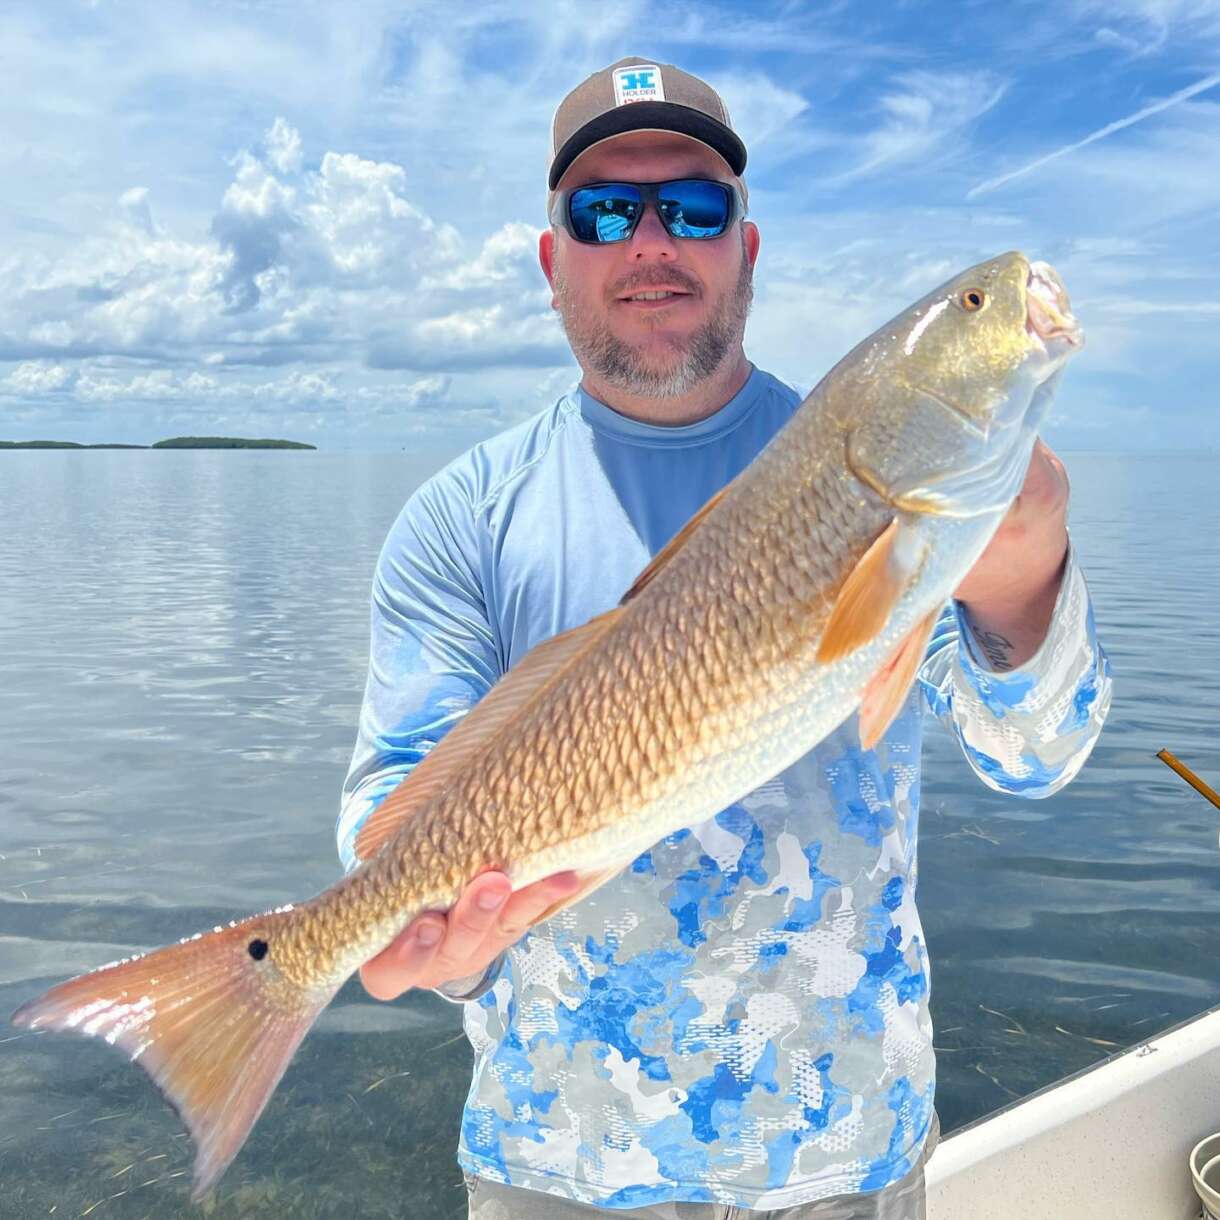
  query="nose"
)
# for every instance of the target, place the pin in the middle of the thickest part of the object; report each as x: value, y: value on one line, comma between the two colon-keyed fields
x: 651, y: 240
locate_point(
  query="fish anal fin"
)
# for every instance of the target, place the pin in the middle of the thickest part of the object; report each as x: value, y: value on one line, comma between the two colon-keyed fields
x: 671, y: 548
x: 887, y: 689
x: 589, y: 881
x: 455, y: 752
x: 869, y: 594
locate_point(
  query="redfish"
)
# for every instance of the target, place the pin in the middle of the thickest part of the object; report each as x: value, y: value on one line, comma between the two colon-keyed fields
x: 801, y: 594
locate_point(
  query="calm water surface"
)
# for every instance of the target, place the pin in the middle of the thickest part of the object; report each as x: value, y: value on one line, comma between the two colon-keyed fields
x: 182, y: 653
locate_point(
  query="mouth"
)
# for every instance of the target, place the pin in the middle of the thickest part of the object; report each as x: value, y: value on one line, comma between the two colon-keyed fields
x: 654, y: 298
x: 1048, y: 311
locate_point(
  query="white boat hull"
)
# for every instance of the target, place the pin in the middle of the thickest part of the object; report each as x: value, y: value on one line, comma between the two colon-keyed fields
x: 1110, y: 1143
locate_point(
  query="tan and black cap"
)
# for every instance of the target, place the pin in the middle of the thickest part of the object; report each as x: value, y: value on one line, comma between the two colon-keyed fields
x: 637, y: 94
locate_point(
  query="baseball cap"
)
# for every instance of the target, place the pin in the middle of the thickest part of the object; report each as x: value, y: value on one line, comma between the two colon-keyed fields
x: 637, y: 94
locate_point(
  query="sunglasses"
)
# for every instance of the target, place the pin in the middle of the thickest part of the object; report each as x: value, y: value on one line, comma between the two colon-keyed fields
x: 604, y: 212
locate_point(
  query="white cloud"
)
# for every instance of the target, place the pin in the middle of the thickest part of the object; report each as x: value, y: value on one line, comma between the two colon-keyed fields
x: 510, y: 255
x: 374, y: 246
x: 135, y: 208
x: 284, y: 148
x: 37, y: 377
x: 426, y: 392
x: 484, y: 336
x: 1144, y: 112
x: 925, y: 110
x: 759, y: 108
x: 329, y: 264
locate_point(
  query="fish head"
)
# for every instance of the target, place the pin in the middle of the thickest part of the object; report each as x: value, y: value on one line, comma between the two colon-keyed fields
x: 960, y: 383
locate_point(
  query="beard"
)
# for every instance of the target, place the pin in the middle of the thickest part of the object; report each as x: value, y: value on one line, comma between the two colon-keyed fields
x: 685, y: 363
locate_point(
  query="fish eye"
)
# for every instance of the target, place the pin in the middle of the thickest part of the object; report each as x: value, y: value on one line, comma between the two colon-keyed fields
x: 973, y: 299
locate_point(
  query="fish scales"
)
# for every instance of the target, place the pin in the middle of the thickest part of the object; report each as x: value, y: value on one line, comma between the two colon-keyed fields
x: 693, y: 662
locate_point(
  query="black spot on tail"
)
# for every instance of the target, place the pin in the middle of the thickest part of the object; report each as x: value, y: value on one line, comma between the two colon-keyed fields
x: 258, y: 949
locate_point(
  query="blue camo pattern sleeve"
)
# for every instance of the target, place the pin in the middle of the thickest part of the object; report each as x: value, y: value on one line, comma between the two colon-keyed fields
x: 1028, y: 730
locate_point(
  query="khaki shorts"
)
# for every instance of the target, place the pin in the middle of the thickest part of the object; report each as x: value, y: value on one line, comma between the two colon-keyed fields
x: 904, y: 1200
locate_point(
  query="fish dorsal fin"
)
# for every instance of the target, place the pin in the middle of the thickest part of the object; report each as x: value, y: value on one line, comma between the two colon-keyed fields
x: 870, y: 592
x: 470, y: 736
x: 671, y: 548
x: 884, y: 695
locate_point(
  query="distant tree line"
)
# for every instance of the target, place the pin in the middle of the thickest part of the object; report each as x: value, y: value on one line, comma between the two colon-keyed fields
x: 174, y: 442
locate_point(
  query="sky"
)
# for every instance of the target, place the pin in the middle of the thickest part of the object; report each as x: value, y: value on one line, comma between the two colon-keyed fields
x: 320, y: 221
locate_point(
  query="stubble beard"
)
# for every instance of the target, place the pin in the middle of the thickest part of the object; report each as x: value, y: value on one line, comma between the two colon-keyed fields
x: 626, y: 367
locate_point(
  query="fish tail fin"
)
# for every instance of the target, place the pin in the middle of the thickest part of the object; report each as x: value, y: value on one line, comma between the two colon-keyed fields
x: 212, y: 1019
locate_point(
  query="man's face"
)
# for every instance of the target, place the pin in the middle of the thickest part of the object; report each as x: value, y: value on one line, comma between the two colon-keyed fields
x: 653, y: 349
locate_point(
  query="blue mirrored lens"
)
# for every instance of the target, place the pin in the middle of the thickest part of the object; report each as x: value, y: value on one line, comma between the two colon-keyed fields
x: 695, y: 209
x: 604, y: 213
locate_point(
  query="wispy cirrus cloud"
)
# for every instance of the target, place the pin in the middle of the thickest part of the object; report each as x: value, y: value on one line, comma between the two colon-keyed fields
x: 1145, y: 112
x: 923, y: 112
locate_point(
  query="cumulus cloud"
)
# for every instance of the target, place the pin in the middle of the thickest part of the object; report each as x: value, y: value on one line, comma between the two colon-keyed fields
x: 508, y: 258
x: 482, y: 337
x: 153, y: 266
x: 284, y: 148
x: 426, y: 392
x: 33, y: 377
x: 335, y: 262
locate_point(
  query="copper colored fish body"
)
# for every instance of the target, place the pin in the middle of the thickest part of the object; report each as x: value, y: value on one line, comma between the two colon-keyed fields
x: 801, y: 594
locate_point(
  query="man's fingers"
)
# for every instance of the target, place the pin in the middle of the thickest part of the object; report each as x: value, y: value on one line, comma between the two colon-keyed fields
x: 470, y: 920
x: 436, y: 948
x: 526, y: 906
x: 406, y: 959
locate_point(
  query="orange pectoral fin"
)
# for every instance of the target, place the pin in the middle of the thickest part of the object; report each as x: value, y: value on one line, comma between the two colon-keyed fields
x: 869, y: 594
x: 884, y: 695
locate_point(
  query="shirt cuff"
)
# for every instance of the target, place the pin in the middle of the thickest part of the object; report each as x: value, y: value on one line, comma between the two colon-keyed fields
x: 473, y: 986
x: 1067, y: 631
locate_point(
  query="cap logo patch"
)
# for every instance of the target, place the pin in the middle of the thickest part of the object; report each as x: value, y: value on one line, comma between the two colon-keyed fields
x: 638, y: 83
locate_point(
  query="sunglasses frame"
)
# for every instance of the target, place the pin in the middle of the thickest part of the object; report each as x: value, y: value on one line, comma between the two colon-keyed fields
x: 560, y: 213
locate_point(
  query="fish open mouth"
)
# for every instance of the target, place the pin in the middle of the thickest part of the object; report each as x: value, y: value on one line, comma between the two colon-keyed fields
x: 1048, y: 311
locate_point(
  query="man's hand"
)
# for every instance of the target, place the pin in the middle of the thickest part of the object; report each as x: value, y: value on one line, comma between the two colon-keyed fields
x: 1010, y: 592
x: 439, y: 947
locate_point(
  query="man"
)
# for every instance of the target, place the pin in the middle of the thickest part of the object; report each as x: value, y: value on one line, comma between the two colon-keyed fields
x: 738, y: 1022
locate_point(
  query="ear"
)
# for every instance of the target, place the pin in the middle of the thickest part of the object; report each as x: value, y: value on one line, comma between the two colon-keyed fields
x: 750, y: 238
x: 546, y: 257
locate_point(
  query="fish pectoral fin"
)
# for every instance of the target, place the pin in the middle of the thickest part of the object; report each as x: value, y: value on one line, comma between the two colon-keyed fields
x: 887, y: 689
x: 589, y: 881
x: 472, y: 735
x: 671, y: 548
x: 871, y: 591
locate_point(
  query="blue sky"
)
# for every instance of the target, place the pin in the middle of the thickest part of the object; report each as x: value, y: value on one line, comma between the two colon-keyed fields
x: 320, y: 221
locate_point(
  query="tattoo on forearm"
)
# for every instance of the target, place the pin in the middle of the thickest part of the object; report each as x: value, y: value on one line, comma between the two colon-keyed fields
x: 997, y: 647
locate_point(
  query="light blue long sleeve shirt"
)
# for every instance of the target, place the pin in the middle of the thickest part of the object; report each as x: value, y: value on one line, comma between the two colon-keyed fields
x: 741, y: 1016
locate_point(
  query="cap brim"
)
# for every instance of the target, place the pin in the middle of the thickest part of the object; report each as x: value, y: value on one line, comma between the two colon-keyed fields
x: 651, y: 116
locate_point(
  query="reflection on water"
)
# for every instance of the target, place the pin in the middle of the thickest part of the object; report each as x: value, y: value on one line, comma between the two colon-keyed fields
x: 182, y: 652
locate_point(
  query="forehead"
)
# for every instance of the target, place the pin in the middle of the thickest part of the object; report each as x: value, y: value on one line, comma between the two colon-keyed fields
x: 644, y: 156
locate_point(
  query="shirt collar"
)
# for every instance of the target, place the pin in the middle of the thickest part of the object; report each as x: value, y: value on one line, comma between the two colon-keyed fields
x: 610, y: 422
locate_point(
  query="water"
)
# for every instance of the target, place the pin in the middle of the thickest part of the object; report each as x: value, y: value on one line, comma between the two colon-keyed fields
x: 182, y: 654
